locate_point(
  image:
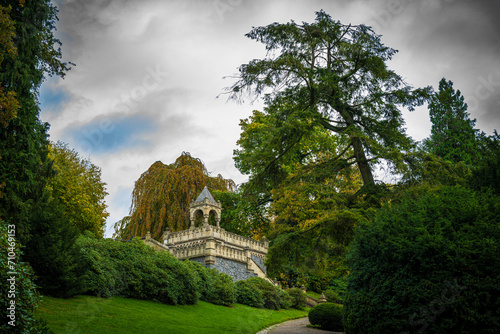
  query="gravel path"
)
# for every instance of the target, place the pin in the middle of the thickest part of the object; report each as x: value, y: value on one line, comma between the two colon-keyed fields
x: 297, y: 326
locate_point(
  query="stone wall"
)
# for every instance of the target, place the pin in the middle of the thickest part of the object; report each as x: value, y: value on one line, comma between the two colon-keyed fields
x: 212, y: 246
x: 238, y: 271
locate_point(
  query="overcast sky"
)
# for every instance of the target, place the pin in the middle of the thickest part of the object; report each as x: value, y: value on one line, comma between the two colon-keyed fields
x: 148, y: 73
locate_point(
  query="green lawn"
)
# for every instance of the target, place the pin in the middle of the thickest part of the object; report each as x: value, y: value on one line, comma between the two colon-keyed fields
x: 85, y: 314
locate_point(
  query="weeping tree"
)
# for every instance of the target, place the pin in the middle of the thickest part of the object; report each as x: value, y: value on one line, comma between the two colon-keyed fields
x: 330, y: 75
x: 162, y: 195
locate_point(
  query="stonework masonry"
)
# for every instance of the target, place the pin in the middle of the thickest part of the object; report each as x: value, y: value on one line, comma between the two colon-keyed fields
x: 212, y: 246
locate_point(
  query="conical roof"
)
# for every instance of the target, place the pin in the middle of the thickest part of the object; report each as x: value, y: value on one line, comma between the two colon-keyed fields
x: 205, y: 194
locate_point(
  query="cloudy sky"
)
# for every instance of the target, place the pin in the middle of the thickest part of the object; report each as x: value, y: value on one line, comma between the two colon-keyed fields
x: 148, y: 73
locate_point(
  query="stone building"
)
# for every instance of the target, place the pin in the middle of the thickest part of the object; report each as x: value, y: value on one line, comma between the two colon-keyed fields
x: 212, y: 246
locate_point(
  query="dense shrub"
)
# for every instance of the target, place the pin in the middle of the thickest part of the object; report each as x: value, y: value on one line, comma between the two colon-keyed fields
x: 298, y: 298
x: 327, y: 316
x: 212, y: 286
x: 430, y: 263
x: 26, y: 296
x: 273, y: 297
x: 222, y: 290
x: 133, y: 269
x: 247, y: 294
x: 333, y: 296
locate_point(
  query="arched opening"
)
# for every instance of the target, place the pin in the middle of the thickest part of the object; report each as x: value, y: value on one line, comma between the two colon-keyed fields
x: 212, y: 218
x: 198, y: 218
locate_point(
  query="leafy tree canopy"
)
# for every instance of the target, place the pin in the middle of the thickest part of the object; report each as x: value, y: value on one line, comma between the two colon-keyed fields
x: 162, y: 194
x: 78, y: 188
x: 331, y: 76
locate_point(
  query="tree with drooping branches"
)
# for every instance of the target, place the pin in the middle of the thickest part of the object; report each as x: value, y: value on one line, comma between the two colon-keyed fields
x: 162, y: 195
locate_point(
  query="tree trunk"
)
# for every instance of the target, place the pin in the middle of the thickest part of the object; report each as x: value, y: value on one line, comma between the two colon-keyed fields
x: 364, y: 167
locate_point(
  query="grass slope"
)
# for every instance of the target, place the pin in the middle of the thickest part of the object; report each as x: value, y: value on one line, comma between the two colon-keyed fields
x: 85, y: 314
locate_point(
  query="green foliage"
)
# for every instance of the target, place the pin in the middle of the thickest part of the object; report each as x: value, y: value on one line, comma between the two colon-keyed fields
x: 298, y: 298
x: 24, y: 164
x: 321, y: 75
x: 8, y: 102
x: 453, y: 136
x: 428, y: 262
x: 213, y: 287
x: 487, y: 171
x: 223, y: 291
x: 273, y: 297
x: 135, y: 270
x: 247, y: 294
x: 52, y: 251
x: 78, y: 189
x: 132, y: 269
x: 333, y: 296
x: 327, y: 316
x: 431, y: 170
x: 18, y: 287
x: 235, y: 216
x: 315, y: 255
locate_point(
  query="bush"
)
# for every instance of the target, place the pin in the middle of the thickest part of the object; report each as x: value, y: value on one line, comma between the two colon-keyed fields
x: 431, y: 263
x: 298, y: 298
x: 222, y: 290
x: 212, y: 286
x: 247, y: 294
x: 332, y: 296
x: 26, y: 296
x: 269, y: 292
x: 327, y: 316
x: 133, y: 269
x: 273, y: 297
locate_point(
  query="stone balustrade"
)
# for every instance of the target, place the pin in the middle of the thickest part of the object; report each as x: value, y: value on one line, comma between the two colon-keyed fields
x: 227, y: 243
x: 209, y: 242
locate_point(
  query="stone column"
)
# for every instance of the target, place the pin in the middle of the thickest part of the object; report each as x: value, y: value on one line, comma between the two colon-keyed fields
x: 210, y: 252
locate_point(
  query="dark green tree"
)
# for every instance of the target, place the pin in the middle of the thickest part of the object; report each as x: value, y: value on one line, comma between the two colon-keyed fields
x: 429, y: 262
x: 487, y: 171
x: 453, y: 136
x: 329, y: 75
x: 24, y: 165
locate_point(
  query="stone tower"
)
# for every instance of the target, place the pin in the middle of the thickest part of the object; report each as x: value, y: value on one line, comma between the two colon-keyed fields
x: 206, y: 205
x: 212, y: 246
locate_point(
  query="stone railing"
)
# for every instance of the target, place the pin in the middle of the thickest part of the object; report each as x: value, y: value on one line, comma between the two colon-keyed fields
x: 210, y: 241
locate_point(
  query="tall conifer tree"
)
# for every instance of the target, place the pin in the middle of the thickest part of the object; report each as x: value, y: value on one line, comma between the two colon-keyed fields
x: 453, y: 136
x: 24, y: 165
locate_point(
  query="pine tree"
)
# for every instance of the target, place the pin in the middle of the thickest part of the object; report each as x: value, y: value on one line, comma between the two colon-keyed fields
x: 453, y: 136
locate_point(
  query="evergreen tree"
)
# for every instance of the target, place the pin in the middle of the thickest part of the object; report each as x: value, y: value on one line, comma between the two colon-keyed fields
x: 24, y: 165
x: 330, y: 75
x: 453, y: 136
